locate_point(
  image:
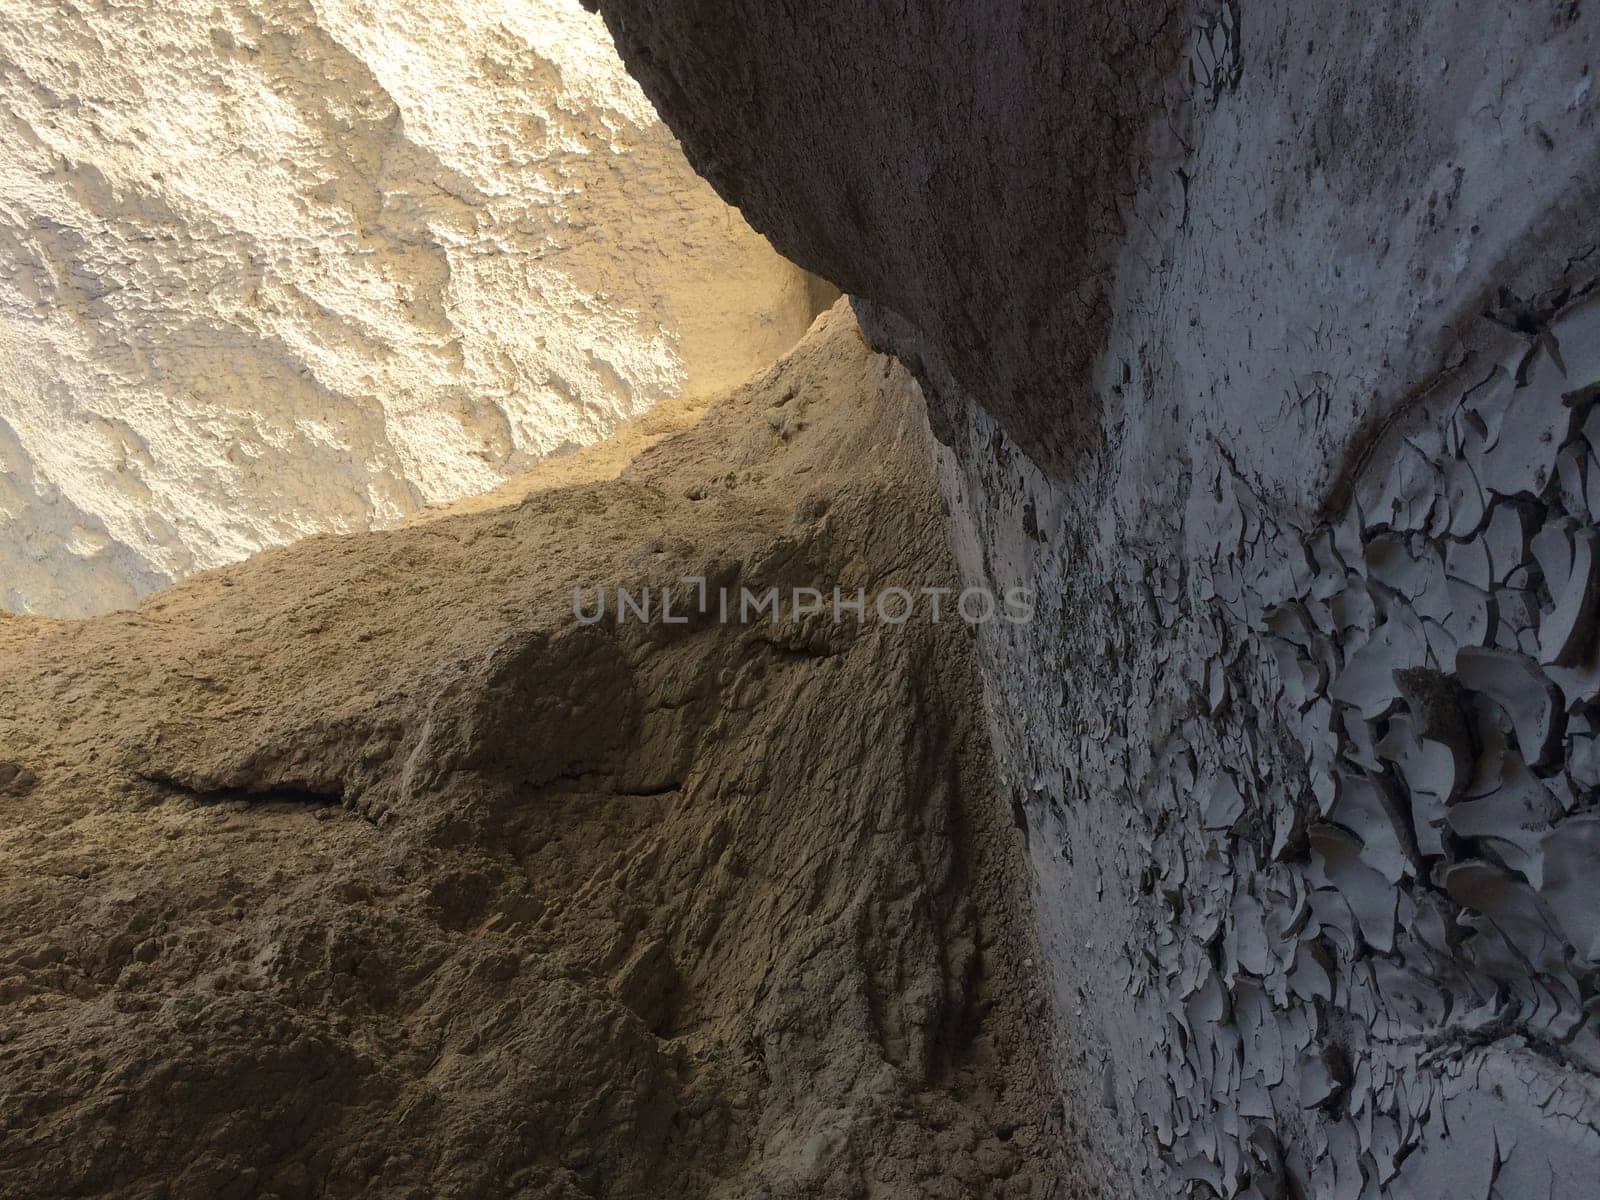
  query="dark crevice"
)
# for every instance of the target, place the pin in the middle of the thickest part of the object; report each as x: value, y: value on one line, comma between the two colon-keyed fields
x: 264, y: 794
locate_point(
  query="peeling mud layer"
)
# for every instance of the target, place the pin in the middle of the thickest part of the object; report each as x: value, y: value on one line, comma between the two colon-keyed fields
x: 363, y: 869
x: 1328, y: 811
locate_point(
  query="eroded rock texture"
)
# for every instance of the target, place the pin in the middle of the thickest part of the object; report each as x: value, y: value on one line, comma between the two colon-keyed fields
x: 279, y: 269
x: 363, y: 869
x: 1301, y: 734
x: 960, y: 169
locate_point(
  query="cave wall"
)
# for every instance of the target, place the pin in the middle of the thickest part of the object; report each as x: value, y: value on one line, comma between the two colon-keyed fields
x: 272, y: 270
x: 1303, y: 731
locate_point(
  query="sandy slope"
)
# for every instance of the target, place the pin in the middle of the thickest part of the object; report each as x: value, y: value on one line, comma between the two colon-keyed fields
x: 361, y: 869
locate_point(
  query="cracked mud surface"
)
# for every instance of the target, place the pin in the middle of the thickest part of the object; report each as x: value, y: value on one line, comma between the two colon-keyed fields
x: 1327, y: 811
x: 362, y: 869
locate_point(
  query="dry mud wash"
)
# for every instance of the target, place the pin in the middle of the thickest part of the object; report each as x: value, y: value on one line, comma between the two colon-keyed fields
x: 362, y: 869
x: 289, y: 268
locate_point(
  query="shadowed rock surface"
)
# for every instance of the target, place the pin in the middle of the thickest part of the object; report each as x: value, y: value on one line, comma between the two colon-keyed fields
x: 962, y: 170
x: 364, y: 869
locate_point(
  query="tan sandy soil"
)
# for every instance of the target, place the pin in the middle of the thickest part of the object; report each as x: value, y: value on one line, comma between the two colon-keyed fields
x: 362, y: 869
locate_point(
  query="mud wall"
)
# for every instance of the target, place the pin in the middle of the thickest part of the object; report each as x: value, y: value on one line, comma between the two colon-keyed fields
x: 1260, y: 342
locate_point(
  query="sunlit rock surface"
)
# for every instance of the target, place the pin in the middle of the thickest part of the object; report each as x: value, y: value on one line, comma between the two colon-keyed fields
x: 277, y: 269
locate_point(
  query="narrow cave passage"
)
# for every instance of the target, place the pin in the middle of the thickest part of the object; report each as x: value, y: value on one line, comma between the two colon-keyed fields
x: 1108, y: 705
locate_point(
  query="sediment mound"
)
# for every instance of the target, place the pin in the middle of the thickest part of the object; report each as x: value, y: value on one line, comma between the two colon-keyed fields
x: 364, y: 868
